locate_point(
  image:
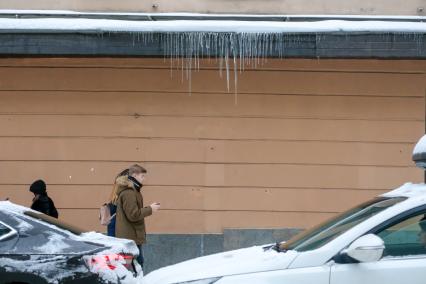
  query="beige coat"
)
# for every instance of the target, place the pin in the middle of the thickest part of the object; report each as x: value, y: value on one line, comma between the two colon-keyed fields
x: 130, y: 223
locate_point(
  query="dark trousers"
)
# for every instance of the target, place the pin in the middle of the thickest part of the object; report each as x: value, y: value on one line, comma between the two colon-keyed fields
x: 140, y: 258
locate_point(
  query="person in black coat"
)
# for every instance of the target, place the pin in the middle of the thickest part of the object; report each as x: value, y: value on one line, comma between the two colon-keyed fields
x: 41, y: 202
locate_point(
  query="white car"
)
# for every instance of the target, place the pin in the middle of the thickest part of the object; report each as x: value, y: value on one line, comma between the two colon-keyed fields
x: 382, y: 241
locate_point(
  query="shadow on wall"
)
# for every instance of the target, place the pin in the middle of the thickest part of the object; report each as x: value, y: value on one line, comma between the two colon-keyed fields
x: 167, y: 249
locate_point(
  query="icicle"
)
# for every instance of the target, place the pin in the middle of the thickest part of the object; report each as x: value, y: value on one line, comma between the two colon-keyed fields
x: 227, y: 68
x: 235, y: 79
x: 187, y: 50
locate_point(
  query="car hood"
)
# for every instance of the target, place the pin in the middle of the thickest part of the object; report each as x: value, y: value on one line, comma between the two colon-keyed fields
x: 249, y: 260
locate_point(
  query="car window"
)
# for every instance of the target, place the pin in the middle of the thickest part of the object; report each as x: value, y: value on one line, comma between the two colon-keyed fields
x: 5, y: 231
x: 407, y: 237
x: 329, y: 230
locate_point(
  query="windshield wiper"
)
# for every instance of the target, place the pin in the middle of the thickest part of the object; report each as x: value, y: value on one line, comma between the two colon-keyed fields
x: 276, y: 247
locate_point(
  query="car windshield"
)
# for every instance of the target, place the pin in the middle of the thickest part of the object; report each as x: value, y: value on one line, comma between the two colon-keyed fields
x: 329, y: 230
x: 53, y: 221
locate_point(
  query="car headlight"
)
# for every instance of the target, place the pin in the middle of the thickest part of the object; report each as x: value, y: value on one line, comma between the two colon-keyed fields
x: 202, y: 281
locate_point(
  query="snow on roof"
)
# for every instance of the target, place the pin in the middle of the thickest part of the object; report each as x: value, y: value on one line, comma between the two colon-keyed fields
x: 51, y: 12
x: 201, y: 15
x: 64, y: 25
x: 407, y: 190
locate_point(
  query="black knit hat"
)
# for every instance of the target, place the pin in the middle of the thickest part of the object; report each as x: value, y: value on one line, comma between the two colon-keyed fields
x: 38, y: 187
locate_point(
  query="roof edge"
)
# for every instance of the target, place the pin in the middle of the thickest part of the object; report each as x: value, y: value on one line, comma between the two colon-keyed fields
x: 200, y: 16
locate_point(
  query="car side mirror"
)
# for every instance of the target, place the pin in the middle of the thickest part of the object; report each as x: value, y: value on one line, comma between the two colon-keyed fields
x: 368, y: 248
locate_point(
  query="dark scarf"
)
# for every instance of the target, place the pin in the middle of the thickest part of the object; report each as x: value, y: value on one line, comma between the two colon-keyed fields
x: 137, y: 185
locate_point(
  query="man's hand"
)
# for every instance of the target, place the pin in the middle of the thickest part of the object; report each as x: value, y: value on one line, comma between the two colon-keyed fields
x: 155, y: 206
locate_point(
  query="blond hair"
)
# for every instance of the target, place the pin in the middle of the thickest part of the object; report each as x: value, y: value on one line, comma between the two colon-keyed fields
x: 113, y: 196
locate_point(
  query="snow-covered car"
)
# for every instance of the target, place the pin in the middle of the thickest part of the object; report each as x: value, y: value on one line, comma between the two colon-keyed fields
x: 38, y: 249
x: 380, y: 241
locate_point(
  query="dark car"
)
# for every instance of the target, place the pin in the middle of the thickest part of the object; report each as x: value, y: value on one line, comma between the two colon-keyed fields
x: 38, y: 249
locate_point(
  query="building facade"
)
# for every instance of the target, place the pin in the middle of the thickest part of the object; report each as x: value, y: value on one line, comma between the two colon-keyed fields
x: 302, y: 137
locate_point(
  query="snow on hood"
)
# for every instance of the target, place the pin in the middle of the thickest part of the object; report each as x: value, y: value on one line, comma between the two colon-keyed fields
x: 407, y: 190
x: 228, y: 26
x: 248, y: 260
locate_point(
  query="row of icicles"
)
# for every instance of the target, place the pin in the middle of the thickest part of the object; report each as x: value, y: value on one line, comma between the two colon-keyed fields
x: 232, y: 51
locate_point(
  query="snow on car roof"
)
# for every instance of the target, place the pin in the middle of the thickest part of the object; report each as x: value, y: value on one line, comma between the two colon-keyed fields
x: 420, y: 146
x: 407, y: 190
x: 56, y: 242
x: 7, y: 205
x: 117, y: 245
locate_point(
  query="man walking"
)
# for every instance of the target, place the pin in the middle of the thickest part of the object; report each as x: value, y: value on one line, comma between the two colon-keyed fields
x: 130, y: 218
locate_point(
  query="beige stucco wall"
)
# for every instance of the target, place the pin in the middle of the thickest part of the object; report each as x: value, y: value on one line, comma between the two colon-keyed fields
x: 306, y: 139
x: 350, y: 7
